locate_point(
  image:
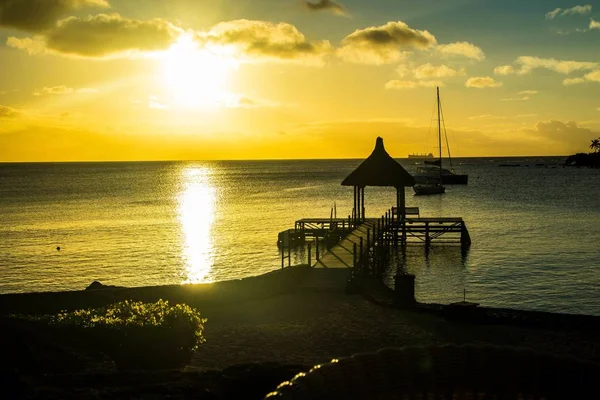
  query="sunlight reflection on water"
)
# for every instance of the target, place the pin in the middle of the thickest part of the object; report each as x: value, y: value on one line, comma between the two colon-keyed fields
x: 196, y: 207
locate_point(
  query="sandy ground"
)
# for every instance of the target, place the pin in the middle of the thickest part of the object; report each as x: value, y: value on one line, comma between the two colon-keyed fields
x: 308, y: 328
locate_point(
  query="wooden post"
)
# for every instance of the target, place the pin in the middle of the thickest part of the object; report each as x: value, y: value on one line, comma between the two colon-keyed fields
x: 317, y: 253
x: 401, y: 203
x: 354, y: 255
x: 282, y: 256
x: 289, y: 256
x: 360, y: 254
x: 354, y: 206
x: 363, y: 204
x: 368, y: 237
x: 309, y: 255
x: 427, y: 238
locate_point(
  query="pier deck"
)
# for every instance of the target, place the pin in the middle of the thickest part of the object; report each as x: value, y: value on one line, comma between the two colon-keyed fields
x: 342, y: 254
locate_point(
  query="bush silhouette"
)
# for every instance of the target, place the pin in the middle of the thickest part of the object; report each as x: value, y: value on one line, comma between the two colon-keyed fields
x: 137, y: 335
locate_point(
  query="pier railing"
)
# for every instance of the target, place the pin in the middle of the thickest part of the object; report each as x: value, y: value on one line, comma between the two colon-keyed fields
x: 370, y: 242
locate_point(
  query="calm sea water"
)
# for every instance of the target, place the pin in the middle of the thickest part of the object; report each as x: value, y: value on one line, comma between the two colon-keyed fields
x: 535, y: 228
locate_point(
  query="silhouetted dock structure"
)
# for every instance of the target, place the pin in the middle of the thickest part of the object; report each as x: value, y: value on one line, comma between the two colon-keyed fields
x: 366, y: 244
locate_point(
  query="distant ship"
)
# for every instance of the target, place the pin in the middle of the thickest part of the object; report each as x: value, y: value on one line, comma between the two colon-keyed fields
x: 420, y: 156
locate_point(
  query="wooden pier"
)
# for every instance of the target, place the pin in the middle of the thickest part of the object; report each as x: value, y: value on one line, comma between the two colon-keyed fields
x: 368, y: 243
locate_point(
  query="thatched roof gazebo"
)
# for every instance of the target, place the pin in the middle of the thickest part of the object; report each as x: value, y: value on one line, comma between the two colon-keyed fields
x: 379, y: 169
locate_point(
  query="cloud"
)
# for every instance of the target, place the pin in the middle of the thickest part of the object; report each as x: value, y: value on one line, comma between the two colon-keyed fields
x: 62, y: 89
x: 486, y: 117
x: 524, y: 98
x: 242, y: 101
x: 155, y: 104
x: 569, y: 133
x: 384, y: 44
x: 559, y: 12
x: 428, y: 71
x: 465, y: 49
x: 504, y: 70
x: 38, y: 15
x: 326, y: 5
x: 525, y: 95
x: 260, y: 40
x: 594, y: 24
x: 481, y: 82
x: 399, y: 85
x: 573, y: 81
x: 403, y: 70
x: 102, y: 35
x: 526, y: 64
x: 593, y: 76
x: 8, y: 112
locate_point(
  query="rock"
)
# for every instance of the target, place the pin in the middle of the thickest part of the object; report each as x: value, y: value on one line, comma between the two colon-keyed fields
x: 98, y: 285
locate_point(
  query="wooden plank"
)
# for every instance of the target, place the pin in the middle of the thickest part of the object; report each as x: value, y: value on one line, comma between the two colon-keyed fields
x: 407, y: 210
x: 341, y: 255
x: 434, y: 219
x: 321, y: 220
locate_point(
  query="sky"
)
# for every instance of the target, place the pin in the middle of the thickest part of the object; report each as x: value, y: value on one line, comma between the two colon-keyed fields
x: 107, y: 80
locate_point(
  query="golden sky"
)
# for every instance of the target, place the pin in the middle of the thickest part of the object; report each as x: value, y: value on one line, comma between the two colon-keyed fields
x: 262, y: 79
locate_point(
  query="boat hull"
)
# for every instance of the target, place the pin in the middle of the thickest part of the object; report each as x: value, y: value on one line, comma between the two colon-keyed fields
x: 455, y: 179
x: 424, y: 190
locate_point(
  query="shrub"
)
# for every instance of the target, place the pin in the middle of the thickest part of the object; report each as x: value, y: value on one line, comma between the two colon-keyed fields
x: 139, y: 335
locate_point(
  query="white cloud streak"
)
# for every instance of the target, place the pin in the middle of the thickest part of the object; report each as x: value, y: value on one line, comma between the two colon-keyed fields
x: 400, y: 85
x: 481, y: 82
x: 464, y: 49
x: 560, y: 12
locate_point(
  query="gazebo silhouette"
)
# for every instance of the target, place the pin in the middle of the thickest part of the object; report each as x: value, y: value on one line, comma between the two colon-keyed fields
x: 379, y: 169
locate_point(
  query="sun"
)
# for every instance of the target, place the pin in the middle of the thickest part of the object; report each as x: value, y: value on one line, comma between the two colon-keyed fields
x: 195, y: 77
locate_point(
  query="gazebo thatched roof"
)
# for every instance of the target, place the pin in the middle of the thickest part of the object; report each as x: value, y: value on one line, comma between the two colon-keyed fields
x: 379, y: 169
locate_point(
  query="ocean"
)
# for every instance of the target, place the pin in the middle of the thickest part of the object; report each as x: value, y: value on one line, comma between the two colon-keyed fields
x: 534, y: 226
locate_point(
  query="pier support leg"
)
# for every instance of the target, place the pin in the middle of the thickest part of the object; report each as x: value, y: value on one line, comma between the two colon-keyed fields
x: 427, y: 237
x: 360, y: 254
x: 362, y: 206
x: 354, y: 207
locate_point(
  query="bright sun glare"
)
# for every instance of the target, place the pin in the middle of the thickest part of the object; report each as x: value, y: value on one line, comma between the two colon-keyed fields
x: 195, y: 77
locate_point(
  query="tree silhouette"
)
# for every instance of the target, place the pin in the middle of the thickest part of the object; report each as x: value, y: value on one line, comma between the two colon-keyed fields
x: 595, y: 145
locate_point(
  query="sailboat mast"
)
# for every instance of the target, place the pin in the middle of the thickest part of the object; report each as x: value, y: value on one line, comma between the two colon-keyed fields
x: 439, y: 129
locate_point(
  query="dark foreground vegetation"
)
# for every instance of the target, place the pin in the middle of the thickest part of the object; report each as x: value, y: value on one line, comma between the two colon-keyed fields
x: 584, y: 160
x: 255, y: 338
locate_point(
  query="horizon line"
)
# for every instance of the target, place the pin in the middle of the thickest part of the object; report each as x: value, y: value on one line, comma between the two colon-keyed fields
x: 249, y: 159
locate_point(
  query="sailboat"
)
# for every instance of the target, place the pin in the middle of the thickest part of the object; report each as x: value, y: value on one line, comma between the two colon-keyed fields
x: 433, y: 170
x: 433, y: 185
